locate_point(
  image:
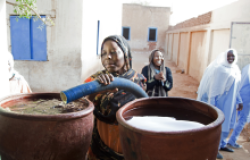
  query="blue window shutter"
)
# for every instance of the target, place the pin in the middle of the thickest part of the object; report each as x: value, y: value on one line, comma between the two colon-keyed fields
x: 20, y: 38
x: 39, y: 40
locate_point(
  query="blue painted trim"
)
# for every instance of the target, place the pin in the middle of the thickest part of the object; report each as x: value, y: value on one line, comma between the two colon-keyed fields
x: 97, y: 39
x: 129, y: 33
x: 156, y: 32
x: 31, y: 39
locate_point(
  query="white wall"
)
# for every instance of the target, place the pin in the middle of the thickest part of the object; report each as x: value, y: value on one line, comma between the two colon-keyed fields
x: 4, y: 80
x: 109, y: 12
x: 237, y: 11
x: 219, y: 41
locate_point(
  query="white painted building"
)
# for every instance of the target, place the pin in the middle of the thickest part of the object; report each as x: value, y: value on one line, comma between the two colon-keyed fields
x: 71, y: 44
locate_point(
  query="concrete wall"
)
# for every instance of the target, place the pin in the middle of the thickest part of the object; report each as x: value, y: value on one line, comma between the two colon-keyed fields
x: 4, y: 80
x: 219, y: 41
x: 71, y: 43
x: 203, y: 38
x: 183, y: 51
x: 139, y: 18
x: 175, y: 47
x: 110, y: 23
x: 237, y: 11
x: 170, y: 47
x: 197, y: 50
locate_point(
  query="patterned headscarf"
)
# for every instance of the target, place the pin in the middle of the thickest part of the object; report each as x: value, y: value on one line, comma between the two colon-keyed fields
x: 152, y: 73
x: 107, y: 104
x: 123, y: 44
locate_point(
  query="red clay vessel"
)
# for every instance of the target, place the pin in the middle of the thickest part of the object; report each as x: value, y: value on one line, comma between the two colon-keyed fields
x: 196, y: 144
x: 65, y: 136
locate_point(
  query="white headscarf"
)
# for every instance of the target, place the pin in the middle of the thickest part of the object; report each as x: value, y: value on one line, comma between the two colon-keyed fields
x: 219, y: 76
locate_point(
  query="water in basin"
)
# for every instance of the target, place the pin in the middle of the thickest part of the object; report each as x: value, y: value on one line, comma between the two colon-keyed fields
x: 162, y: 124
x: 47, y: 107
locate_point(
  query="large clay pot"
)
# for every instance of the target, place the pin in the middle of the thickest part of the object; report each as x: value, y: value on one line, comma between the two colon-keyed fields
x: 196, y: 144
x: 65, y: 136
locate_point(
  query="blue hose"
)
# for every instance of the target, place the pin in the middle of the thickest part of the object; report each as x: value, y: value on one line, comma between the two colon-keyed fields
x: 94, y: 87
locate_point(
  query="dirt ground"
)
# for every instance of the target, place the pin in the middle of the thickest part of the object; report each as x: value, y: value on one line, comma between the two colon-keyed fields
x: 186, y: 86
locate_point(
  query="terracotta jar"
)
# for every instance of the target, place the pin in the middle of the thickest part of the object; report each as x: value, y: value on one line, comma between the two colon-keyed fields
x: 196, y: 144
x: 64, y: 136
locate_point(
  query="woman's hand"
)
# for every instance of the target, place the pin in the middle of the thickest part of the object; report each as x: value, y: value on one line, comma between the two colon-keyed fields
x: 240, y: 107
x: 160, y: 76
x: 106, y: 79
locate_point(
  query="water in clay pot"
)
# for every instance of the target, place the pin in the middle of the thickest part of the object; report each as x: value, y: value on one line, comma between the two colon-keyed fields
x: 40, y: 126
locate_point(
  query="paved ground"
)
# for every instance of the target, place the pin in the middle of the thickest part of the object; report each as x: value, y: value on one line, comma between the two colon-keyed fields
x: 186, y: 86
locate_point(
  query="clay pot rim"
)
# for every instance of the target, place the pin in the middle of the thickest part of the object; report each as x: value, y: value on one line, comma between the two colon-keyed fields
x: 64, y: 116
x: 122, y: 121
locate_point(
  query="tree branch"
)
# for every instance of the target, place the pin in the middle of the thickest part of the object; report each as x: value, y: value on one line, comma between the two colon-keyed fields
x: 14, y: 4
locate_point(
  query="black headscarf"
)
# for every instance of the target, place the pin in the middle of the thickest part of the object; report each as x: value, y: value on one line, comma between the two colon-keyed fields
x: 123, y: 44
x: 107, y: 104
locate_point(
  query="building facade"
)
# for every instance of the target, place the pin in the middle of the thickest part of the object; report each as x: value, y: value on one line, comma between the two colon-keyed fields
x: 144, y: 27
x: 71, y: 46
x: 196, y: 42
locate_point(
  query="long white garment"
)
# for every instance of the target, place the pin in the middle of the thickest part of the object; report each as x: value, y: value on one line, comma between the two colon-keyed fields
x: 245, y: 91
x: 220, y: 86
x: 218, y: 77
x: 244, y: 116
x: 245, y: 83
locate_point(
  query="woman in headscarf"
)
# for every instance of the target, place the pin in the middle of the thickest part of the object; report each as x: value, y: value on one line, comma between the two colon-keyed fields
x: 245, y: 113
x: 219, y: 86
x: 16, y: 81
x: 159, y: 77
x: 117, y: 60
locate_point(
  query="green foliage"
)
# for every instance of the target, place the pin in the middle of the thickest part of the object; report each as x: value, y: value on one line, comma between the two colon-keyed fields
x: 25, y: 9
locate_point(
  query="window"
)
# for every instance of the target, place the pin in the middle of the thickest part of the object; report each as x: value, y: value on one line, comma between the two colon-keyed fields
x: 126, y: 32
x: 152, y: 34
x: 28, y: 42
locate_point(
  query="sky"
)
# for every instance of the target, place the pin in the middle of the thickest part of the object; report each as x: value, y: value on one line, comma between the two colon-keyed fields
x: 186, y: 9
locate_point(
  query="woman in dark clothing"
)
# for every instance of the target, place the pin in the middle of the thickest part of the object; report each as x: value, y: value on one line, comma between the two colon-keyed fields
x: 117, y: 62
x: 159, y: 77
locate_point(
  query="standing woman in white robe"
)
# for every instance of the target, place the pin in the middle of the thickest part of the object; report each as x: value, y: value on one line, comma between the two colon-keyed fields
x: 220, y: 87
x: 245, y: 113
